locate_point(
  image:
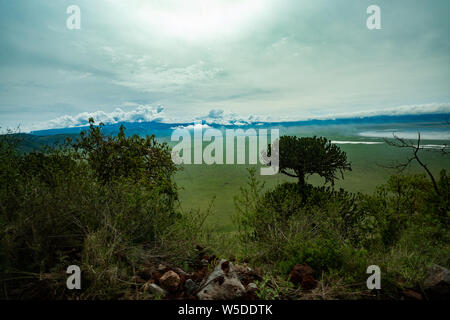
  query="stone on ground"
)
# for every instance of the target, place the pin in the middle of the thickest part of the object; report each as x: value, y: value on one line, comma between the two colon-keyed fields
x: 222, y: 284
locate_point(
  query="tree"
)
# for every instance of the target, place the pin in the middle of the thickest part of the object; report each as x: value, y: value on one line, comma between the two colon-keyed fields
x: 143, y: 160
x: 300, y: 157
x: 415, y: 148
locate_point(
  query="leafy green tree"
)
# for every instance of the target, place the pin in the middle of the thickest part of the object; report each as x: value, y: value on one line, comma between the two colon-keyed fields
x: 300, y: 157
x: 142, y: 160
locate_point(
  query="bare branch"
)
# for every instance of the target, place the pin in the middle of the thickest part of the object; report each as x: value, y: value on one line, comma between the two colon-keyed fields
x: 415, y: 148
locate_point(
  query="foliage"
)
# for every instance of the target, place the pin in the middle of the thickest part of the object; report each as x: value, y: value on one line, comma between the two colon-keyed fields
x: 142, y: 160
x: 268, y: 288
x: 109, y: 204
x: 103, y: 203
x: 401, y: 228
x: 300, y: 157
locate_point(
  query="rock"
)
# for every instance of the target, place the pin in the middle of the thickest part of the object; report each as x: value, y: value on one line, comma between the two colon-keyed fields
x: 437, y: 283
x: 162, y: 268
x: 222, y: 284
x: 181, y: 271
x: 204, y: 262
x: 170, y: 281
x: 190, y: 286
x: 154, y: 289
x: 309, y: 282
x: 410, y: 294
x: 303, y: 275
x: 252, y: 287
x: 246, y: 275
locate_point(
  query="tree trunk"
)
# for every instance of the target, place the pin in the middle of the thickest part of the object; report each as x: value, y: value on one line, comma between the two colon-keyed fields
x: 302, y: 185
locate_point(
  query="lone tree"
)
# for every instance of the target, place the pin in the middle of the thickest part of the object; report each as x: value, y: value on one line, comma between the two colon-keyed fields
x: 300, y: 157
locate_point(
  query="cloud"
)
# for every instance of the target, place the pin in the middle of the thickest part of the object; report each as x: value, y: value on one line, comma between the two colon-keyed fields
x: 146, y: 113
x: 221, y: 117
x: 162, y: 78
x: 417, y: 109
x: 193, y: 126
x: 288, y: 59
x: 430, y: 108
x: 142, y: 113
x: 215, y: 113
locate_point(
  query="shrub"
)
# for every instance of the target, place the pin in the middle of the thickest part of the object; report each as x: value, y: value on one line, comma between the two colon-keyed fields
x: 101, y: 203
x: 142, y: 160
x: 401, y: 228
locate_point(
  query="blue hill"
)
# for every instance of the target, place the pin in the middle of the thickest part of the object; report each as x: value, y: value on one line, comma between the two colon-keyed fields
x: 165, y: 129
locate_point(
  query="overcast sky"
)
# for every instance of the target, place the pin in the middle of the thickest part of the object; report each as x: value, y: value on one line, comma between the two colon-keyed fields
x: 280, y: 59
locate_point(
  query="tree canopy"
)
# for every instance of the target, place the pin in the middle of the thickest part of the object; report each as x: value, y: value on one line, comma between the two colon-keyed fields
x: 300, y: 157
x: 140, y: 159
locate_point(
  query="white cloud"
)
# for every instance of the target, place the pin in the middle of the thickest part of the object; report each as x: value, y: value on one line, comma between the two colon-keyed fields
x: 215, y: 113
x: 430, y: 108
x: 142, y: 113
x: 418, y: 109
x: 193, y: 126
x: 221, y: 117
x: 146, y: 113
x: 147, y: 77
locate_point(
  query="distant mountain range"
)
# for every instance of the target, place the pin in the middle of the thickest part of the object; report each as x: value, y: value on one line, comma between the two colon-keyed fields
x: 336, y: 128
x: 162, y: 129
x: 31, y: 142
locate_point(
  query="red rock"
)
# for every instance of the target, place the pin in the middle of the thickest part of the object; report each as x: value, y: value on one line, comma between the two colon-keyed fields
x: 308, y: 282
x: 303, y: 275
x: 170, y: 281
x: 182, y: 279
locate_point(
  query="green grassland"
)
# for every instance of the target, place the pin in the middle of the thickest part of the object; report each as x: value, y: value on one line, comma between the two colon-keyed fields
x: 201, y: 183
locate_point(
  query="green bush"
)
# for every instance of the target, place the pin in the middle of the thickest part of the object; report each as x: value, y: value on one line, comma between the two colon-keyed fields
x: 320, y: 254
x: 401, y: 228
x: 101, y: 203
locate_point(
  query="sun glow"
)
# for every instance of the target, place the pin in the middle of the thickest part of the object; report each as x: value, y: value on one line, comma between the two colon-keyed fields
x: 200, y: 19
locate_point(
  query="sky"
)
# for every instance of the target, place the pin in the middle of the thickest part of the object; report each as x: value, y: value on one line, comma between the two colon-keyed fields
x: 176, y: 60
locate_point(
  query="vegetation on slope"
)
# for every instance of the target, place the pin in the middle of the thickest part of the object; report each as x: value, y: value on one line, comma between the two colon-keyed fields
x: 106, y: 204
x: 110, y: 205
